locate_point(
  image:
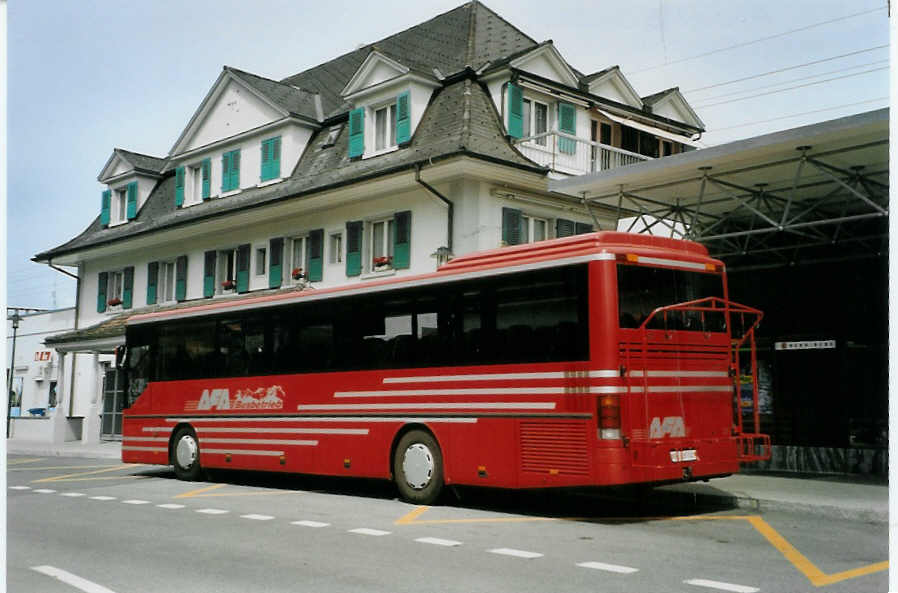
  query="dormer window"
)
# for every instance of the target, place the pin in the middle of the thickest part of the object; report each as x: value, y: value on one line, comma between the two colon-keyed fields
x: 390, y: 127
x: 121, y: 205
x: 385, y: 127
x: 536, y: 120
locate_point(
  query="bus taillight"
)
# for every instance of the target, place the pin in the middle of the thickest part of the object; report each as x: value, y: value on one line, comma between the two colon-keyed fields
x: 609, y: 416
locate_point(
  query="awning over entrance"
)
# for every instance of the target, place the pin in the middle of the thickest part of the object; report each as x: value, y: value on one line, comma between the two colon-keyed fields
x: 806, y: 194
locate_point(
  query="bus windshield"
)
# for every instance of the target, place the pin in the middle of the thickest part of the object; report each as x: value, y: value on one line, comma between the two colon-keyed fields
x: 642, y: 289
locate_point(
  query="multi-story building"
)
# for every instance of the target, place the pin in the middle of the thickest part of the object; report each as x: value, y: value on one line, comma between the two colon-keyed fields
x: 433, y: 142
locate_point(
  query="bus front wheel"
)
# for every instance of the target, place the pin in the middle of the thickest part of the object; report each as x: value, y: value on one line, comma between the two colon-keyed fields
x: 418, y: 467
x: 185, y: 455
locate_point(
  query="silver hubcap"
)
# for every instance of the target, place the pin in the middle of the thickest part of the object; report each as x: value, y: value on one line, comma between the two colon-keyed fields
x: 417, y: 465
x: 185, y: 451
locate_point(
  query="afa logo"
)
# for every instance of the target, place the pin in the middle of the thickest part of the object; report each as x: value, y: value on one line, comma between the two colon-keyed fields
x: 672, y: 426
x: 262, y: 398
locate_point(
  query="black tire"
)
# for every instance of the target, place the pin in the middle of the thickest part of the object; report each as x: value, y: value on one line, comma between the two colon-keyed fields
x: 418, y: 467
x: 185, y: 455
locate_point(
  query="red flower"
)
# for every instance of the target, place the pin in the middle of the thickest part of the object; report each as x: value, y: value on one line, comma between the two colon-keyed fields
x: 228, y: 284
x: 383, y: 260
x: 297, y: 273
x: 114, y: 301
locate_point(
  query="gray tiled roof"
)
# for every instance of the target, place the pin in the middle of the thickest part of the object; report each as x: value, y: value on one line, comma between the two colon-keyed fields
x: 469, y: 35
x: 590, y: 77
x: 655, y: 97
x: 292, y: 99
x: 443, y: 131
x: 142, y: 161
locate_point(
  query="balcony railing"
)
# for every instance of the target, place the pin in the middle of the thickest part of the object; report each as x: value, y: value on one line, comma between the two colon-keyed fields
x: 569, y: 154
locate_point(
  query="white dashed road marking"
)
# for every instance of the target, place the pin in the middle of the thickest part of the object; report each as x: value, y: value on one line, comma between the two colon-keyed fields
x: 517, y: 553
x: 609, y: 567
x: 212, y: 511
x: 20, y: 487
x: 721, y: 586
x: 170, y: 505
x: 437, y: 541
x: 72, y: 494
x: 71, y: 579
x: 255, y: 517
x: 101, y: 497
x: 45, y: 491
x: 135, y: 501
x: 366, y: 531
x: 309, y: 523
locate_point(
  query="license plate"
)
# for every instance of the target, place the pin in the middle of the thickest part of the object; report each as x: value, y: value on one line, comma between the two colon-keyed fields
x: 684, y: 455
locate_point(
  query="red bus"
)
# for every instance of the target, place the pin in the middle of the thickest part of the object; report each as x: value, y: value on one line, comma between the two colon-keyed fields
x: 600, y: 359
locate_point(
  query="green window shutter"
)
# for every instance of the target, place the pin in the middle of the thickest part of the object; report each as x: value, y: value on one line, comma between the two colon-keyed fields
x: 275, y: 262
x: 235, y: 169
x: 152, y: 281
x: 356, y: 132
x: 209, y: 274
x: 181, y: 278
x: 243, y: 268
x: 179, y: 187
x: 316, y: 255
x: 403, y: 118
x: 271, y: 159
x: 564, y: 228
x: 567, y: 123
x: 127, y: 287
x: 402, y: 240
x: 207, y: 178
x: 132, y: 200
x: 225, y: 171
x: 515, y: 111
x: 354, y: 248
x: 102, y: 279
x: 511, y: 226
x: 582, y: 227
x: 265, y: 173
x: 105, y: 203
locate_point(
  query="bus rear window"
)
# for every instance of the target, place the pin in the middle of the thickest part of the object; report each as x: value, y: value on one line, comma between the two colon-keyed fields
x: 643, y: 289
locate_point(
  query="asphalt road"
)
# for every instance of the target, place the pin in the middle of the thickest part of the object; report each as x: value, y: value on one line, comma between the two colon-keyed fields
x: 99, y: 526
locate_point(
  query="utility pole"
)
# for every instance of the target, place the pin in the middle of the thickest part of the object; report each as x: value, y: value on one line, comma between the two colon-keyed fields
x: 12, y: 368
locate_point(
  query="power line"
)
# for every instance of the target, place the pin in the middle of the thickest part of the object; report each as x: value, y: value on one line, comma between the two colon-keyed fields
x: 764, y: 121
x: 753, y: 41
x: 735, y: 80
x: 798, y: 86
x: 791, y: 80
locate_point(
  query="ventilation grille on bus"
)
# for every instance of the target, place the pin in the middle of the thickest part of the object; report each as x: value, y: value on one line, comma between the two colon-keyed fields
x: 555, y: 447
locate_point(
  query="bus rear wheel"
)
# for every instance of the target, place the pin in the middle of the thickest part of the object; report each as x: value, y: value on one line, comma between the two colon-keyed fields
x: 418, y: 467
x: 185, y: 455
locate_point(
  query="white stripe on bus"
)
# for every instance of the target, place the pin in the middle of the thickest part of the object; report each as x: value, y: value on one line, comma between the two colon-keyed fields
x: 147, y: 439
x: 603, y: 374
x: 156, y: 449
x: 434, y: 405
x: 242, y: 452
x: 362, y: 431
x: 674, y: 263
x: 261, y: 441
x: 457, y: 419
x: 679, y: 373
x: 681, y: 388
x: 157, y: 428
x: 574, y: 389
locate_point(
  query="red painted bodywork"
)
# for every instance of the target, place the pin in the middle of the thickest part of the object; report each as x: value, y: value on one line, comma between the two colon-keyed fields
x: 491, y: 437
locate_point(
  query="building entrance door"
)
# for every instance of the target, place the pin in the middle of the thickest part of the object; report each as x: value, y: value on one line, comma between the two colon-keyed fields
x: 113, y: 399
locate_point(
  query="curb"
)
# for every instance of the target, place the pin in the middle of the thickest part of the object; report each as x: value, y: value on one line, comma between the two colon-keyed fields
x: 48, y: 451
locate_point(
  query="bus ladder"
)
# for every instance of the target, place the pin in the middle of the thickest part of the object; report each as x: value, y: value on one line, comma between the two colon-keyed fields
x: 752, y: 446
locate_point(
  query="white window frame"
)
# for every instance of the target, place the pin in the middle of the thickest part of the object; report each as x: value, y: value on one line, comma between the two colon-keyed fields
x: 119, y: 205
x: 193, y: 184
x: 264, y: 260
x: 389, y: 140
x: 304, y: 257
x: 530, y: 221
x: 529, y: 116
x: 115, y: 283
x: 335, y: 247
x: 386, y: 242
x: 221, y: 269
x: 162, y: 283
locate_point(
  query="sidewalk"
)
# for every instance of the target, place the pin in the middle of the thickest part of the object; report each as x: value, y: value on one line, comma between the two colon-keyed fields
x: 844, y: 497
x: 102, y: 450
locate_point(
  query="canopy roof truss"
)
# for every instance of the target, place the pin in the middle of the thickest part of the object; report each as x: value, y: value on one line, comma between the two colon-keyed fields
x: 809, y: 194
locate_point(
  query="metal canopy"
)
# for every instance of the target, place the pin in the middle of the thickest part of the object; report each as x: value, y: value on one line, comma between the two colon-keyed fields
x: 807, y: 194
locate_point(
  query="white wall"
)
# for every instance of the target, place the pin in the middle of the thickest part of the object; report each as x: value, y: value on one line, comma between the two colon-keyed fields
x: 37, y: 374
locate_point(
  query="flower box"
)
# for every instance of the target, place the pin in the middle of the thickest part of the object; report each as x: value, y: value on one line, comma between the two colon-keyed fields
x: 382, y: 263
x: 114, y: 301
x: 297, y: 274
x: 229, y: 285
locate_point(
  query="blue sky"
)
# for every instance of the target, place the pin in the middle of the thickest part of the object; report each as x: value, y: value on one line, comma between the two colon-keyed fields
x: 87, y: 77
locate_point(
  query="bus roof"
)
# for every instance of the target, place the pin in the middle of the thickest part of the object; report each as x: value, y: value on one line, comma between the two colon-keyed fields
x: 567, y: 250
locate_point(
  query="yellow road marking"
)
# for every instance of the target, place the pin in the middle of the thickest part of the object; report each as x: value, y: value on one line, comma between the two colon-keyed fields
x: 199, y: 491
x: 74, y: 477
x: 20, y: 461
x: 37, y: 469
x: 817, y: 577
